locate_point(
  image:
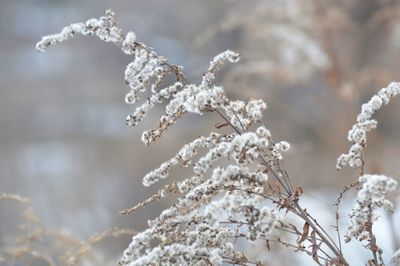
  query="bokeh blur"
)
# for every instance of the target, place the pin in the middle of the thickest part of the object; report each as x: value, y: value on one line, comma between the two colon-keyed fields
x: 63, y: 140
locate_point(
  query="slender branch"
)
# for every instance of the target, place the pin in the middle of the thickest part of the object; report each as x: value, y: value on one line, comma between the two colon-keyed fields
x: 304, y: 215
x: 227, y: 120
x: 316, y: 228
x: 296, y: 232
x: 337, y: 215
x: 237, y: 117
x: 296, y: 248
x: 372, y: 241
x: 323, y: 229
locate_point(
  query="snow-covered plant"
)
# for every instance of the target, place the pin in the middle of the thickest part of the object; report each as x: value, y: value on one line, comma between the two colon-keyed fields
x: 223, y: 205
x: 371, y: 196
x: 358, y: 133
x: 374, y: 188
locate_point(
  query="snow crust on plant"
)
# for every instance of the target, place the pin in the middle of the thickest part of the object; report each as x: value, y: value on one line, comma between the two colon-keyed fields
x: 184, y: 156
x: 105, y: 28
x: 371, y: 197
x: 148, y: 70
x: 206, y: 237
x: 358, y: 133
x: 225, y: 198
x: 245, y: 148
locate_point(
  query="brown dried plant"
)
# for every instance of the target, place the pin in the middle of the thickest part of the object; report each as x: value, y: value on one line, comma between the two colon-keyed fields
x: 35, y: 243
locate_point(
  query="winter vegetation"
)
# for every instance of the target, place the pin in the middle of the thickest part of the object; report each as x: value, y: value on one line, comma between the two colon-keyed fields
x: 223, y: 204
x: 240, y: 193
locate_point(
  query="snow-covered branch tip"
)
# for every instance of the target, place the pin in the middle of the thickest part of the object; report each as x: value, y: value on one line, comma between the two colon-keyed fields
x: 150, y: 70
x: 371, y: 197
x: 358, y: 133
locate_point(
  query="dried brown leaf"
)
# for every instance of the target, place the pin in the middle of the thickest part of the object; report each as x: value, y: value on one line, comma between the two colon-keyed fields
x: 220, y: 125
x: 306, y: 228
x: 298, y: 191
x: 314, y: 247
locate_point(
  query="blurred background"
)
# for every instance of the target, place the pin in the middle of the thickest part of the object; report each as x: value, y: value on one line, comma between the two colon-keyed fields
x: 63, y: 140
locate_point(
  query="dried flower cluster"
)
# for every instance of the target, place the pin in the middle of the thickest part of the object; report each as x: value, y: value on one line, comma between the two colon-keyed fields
x: 371, y: 197
x: 189, y: 233
x: 105, y: 28
x: 240, y: 189
x: 150, y: 70
x: 358, y: 133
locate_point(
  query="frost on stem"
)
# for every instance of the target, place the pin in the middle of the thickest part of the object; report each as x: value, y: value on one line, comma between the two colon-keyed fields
x: 197, y: 99
x: 148, y: 70
x: 371, y: 197
x: 191, y: 235
x: 243, y: 149
x: 184, y: 157
x: 105, y: 28
x: 358, y: 133
x: 278, y: 148
x: 218, y: 204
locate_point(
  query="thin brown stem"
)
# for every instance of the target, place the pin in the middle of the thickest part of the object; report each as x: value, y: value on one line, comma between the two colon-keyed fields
x: 307, y: 238
x: 317, y: 230
x: 323, y: 229
x: 337, y: 215
x: 227, y: 120
x: 296, y: 248
x: 372, y: 241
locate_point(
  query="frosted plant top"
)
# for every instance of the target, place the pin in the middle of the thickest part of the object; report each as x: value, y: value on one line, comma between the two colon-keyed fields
x: 358, y: 133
